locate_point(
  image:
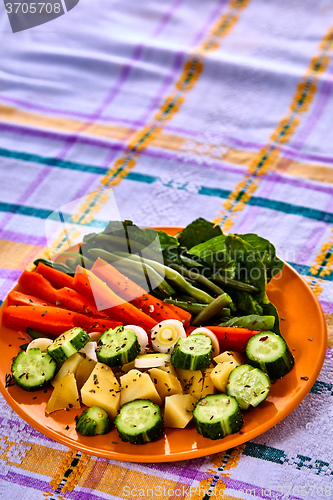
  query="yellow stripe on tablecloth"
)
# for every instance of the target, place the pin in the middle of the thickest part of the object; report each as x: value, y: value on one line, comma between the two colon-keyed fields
x: 269, y: 155
x: 312, y: 171
x: 110, y: 478
x: 15, y: 255
x: 168, y: 141
x: 18, y: 116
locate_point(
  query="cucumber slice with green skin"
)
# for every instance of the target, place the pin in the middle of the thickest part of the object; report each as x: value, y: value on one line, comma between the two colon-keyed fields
x: 217, y: 415
x: 192, y: 353
x: 250, y: 386
x: 139, y: 421
x: 68, y: 343
x: 93, y: 421
x: 33, y: 369
x: 269, y: 352
x: 118, y: 346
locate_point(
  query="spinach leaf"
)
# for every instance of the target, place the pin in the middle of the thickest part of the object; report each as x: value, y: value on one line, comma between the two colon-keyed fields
x: 198, y: 231
x: 266, y: 252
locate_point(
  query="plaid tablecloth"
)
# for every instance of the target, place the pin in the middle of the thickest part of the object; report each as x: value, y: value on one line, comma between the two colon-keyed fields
x: 219, y: 109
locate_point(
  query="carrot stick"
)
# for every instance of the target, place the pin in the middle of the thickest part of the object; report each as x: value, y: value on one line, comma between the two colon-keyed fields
x: 130, y: 291
x: 35, y: 284
x: 230, y: 337
x: 55, y: 277
x: 15, y: 298
x: 51, y: 321
x: 92, y: 287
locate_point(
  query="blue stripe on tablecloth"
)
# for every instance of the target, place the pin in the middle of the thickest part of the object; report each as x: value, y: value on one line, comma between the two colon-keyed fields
x: 288, y: 208
x: 277, y: 456
x: 43, y: 213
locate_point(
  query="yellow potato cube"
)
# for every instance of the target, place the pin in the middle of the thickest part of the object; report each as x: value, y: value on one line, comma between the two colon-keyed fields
x: 178, y: 410
x: 207, y: 387
x: 166, y: 384
x: 220, y: 374
x: 138, y: 385
x: 191, y: 381
x: 69, y: 366
x: 168, y: 367
x: 64, y: 395
x: 102, y: 389
x: 230, y: 356
x: 83, y: 371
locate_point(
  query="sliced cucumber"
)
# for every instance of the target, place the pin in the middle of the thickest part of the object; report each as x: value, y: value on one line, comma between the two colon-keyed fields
x: 269, y: 352
x: 192, y: 353
x: 152, y: 360
x: 68, y: 343
x: 250, y: 386
x: 93, y: 421
x: 139, y: 421
x: 217, y: 415
x: 33, y: 369
x: 117, y: 347
x: 166, y: 333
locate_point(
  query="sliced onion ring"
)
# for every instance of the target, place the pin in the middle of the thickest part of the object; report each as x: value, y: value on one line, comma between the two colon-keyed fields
x: 141, y: 335
x: 41, y: 344
x: 166, y: 333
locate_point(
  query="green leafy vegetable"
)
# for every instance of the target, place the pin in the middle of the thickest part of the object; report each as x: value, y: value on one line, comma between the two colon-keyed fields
x: 198, y: 231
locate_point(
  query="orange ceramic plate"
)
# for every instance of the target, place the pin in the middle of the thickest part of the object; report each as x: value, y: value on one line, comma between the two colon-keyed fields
x: 302, y: 319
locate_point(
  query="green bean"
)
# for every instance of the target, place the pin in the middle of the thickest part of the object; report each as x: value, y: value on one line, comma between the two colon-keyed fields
x: 237, y: 285
x: 117, y: 260
x: 71, y: 264
x: 200, y: 278
x: 211, y: 310
x: 83, y: 261
x: 177, y: 279
x: 195, y: 308
x: 55, y: 265
x: 115, y: 243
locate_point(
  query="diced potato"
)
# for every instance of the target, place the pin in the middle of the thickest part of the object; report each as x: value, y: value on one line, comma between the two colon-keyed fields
x: 64, y: 395
x: 166, y: 384
x: 178, y: 410
x: 136, y: 384
x: 102, y: 389
x: 168, y: 367
x: 191, y: 381
x: 230, y: 356
x: 69, y: 366
x: 220, y: 374
x: 83, y: 371
x: 207, y: 387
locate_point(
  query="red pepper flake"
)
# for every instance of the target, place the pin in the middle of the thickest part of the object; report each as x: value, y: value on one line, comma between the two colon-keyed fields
x: 262, y: 339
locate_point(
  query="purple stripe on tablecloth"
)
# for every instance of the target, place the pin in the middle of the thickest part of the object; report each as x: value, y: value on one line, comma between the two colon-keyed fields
x: 167, y: 18
x: 10, y: 274
x: 327, y: 306
x: 80, y: 494
x: 299, y: 155
x: 322, y: 97
x: 23, y: 238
